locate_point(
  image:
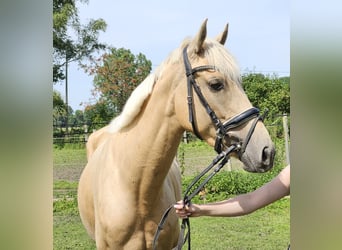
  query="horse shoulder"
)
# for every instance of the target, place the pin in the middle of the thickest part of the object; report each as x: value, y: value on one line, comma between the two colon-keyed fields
x: 95, y: 139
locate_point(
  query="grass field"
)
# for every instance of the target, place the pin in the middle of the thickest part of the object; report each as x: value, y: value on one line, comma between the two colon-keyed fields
x: 267, y: 228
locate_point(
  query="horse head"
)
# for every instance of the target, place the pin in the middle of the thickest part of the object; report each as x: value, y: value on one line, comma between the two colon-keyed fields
x: 219, y: 110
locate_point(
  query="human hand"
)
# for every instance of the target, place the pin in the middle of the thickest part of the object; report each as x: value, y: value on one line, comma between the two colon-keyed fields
x: 186, y: 211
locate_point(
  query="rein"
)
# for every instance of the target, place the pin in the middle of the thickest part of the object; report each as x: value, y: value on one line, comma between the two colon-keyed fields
x: 223, y: 152
x: 220, y: 160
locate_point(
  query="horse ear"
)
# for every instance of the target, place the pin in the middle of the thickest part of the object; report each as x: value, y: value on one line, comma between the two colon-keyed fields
x: 200, y: 37
x: 221, y: 38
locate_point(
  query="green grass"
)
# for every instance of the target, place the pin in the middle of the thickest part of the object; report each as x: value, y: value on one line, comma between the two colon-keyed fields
x: 267, y: 228
x: 67, y: 156
x: 65, y: 185
x: 69, y: 233
x: 64, y: 189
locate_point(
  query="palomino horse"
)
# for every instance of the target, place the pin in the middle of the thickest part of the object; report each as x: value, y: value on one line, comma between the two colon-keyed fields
x: 122, y: 193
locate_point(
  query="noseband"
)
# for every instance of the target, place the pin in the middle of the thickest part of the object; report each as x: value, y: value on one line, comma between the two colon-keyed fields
x: 221, y: 128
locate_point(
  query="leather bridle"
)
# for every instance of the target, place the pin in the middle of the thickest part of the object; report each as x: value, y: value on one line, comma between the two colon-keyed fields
x: 221, y: 128
x: 223, y: 151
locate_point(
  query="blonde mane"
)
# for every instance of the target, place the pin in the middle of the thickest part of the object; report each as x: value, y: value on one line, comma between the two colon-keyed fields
x: 133, y: 105
x: 214, y: 52
x: 219, y: 56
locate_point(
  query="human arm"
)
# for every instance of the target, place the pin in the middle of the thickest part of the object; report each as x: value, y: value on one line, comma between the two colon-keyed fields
x: 241, y: 204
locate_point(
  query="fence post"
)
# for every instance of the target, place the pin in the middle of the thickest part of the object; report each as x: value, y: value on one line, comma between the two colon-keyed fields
x: 286, y: 137
x: 185, y: 137
x: 86, y: 132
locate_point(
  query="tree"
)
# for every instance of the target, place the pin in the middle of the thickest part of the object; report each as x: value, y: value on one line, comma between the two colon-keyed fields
x: 72, y: 41
x: 79, y: 117
x: 60, y: 112
x: 269, y: 93
x: 97, y: 115
x: 66, y: 49
x: 116, y: 75
x: 59, y: 108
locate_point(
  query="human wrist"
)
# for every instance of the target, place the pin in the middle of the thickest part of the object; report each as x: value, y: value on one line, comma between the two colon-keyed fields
x: 202, y: 210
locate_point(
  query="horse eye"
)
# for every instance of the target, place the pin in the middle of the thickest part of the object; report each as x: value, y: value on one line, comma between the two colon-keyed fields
x: 217, y: 86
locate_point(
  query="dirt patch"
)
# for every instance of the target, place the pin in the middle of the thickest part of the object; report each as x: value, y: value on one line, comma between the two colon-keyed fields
x: 68, y: 173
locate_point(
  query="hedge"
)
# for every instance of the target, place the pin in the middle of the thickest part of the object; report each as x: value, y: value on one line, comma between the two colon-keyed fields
x: 229, y: 183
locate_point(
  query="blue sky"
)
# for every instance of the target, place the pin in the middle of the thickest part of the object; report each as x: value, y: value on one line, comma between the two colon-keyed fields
x: 259, y: 33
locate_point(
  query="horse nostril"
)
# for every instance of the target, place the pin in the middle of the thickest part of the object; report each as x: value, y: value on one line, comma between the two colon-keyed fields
x: 268, y: 156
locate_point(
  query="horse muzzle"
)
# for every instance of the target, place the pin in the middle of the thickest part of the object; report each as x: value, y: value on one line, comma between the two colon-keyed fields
x: 255, y: 151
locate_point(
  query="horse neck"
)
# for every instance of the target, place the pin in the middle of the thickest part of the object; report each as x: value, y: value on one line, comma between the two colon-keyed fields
x: 152, y: 141
x: 157, y: 127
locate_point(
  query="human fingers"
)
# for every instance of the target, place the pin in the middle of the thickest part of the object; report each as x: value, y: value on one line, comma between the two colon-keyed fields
x: 182, y: 213
x: 179, y: 205
x: 181, y: 210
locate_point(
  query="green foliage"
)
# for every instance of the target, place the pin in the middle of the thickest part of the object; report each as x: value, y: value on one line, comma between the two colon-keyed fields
x: 180, y: 157
x: 67, y: 49
x: 117, y: 74
x: 269, y: 93
x: 65, y: 206
x: 65, y: 198
x: 228, y: 183
x: 98, y: 114
x: 279, y: 159
x: 59, y: 107
x: 80, y: 122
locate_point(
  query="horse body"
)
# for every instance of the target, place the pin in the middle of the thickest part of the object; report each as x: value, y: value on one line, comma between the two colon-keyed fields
x: 126, y: 221
x: 131, y: 177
